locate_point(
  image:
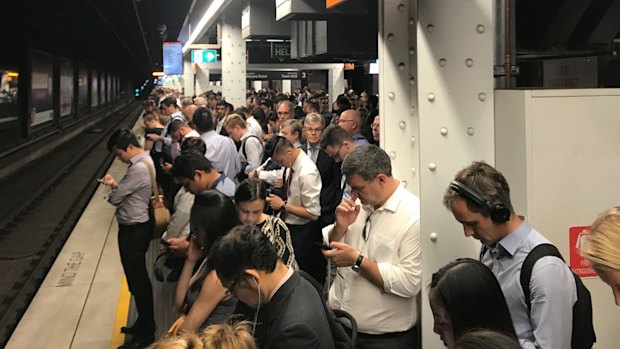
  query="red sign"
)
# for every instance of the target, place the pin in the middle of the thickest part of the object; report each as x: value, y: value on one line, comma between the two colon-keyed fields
x: 332, y: 3
x: 578, y: 264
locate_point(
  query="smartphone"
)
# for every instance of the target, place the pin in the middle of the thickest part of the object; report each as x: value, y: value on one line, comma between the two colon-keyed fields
x: 164, y: 242
x: 322, y: 246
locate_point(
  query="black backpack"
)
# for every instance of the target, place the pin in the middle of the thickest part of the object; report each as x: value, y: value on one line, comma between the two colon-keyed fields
x: 242, y: 175
x: 583, y: 336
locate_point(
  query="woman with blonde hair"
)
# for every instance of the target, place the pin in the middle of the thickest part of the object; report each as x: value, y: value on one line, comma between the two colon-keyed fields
x: 228, y: 336
x: 602, y: 249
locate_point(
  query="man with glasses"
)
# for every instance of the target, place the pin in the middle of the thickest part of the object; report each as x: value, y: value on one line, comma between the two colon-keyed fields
x: 328, y: 168
x: 375, y: 243
x: 247, y: 264
x: 351, y: 121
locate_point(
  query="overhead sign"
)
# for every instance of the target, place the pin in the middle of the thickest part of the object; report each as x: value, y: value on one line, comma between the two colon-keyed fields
x: 332, y: 3
x: 280, y: 50
x: 275, y: 75
x: 173, y: 58
x: 204, y: 56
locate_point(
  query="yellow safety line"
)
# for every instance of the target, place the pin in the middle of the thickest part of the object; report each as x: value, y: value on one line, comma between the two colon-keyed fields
x: 122, y: 310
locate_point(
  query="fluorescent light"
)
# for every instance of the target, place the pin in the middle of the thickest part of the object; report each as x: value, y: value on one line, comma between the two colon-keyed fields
x: 275, y: 40
x: 209, y: 13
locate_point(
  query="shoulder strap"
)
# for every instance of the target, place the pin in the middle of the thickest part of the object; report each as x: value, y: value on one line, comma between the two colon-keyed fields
x: 243, y: 145
x: 154, y: 187
x: 537, y: 252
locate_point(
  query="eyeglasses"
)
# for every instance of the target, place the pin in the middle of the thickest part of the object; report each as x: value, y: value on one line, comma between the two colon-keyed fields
x: 314, y: 130
x: 345, y: 120
x: 366, y: 231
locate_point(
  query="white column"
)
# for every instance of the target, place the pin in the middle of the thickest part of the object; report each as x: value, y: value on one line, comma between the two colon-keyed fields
x: 455, y: 94
x: 336, y: 82
x: 202, y: 78
x: 188, y: 75
x: 233, y: 58
x: 286, y: 86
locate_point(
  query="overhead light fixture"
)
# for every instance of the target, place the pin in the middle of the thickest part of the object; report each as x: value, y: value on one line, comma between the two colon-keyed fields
x: 275, y: 40
x: 209, y: 13
x: 158, y: 73
x: 13, y: 74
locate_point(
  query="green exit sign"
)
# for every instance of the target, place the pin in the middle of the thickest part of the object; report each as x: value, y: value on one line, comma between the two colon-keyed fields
x: 204, y: 56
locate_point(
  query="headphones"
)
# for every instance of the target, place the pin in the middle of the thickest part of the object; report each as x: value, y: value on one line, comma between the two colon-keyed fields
x: 257, y: 307
x: 499, y: 212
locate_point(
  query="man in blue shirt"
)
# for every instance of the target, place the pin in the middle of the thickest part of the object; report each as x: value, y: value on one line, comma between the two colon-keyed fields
x: 479, y: 198
x: 131, y: 197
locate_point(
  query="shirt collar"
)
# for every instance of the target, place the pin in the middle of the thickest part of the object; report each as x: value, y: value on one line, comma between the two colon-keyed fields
x: 138, y: 157
x: 512, y: 241
x: 287, y: 276
x: 391, y: 204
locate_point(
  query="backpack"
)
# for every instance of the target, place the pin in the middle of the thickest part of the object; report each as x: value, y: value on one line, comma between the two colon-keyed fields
x: 583, y: 336
x: 242, y: 175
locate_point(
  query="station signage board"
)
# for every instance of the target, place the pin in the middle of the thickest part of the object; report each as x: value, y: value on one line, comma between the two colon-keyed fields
x: 275, y: 75
x: 173, y: 58
x: 332, y: 3
x: 280, y: 50
x: 204, y: 56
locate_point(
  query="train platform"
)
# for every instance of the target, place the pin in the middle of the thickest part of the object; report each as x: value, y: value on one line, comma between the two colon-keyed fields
x: 84, y: 300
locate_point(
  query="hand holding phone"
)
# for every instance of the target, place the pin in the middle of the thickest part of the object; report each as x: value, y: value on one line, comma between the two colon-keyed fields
x: 322, y: 246
x: 164, y: 242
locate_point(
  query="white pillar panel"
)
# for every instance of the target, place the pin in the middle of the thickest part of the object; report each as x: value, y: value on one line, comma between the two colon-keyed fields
x: 286, y: 86
x: 202, y: 78
x: 233, y: 58
x: 397, y: 97
x: 455, y: 95
x: 559, y: 151
x: 188, y: 75
x: 336, y: 82
x: 257, y: 84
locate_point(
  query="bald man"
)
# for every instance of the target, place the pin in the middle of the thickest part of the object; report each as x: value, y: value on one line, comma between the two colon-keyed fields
x: 351, y: 121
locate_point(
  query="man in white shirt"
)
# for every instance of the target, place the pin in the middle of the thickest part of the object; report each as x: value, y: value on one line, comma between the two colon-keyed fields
x: 180, y: 130
x: 375, y: 243
x: 301, y: 207
x: 291, y: 129
x: 251, y: 147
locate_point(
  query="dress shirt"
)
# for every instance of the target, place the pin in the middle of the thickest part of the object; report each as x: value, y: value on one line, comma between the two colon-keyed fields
x: 304, y: 189
x: 176, y: 146
x: 222, y: 153
x: 133, y: 193
x: 161, y: 146
x: 552, y: 290
x: 254, y: 126
x: 313, y: 152
x: 253, y: 149
x: 225, y: 186
x: 393, y: 242
x: 287, y: 276
x: 179, y: 221
x: 360, y: 139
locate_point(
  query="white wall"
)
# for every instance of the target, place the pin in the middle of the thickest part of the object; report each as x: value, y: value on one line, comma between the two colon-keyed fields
x: 559, y: 150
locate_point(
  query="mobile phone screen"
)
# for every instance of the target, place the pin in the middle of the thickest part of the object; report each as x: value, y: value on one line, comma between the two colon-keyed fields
x: 164, y: 242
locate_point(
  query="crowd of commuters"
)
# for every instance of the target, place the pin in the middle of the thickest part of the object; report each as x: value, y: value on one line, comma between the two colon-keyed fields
x: 285, y: 212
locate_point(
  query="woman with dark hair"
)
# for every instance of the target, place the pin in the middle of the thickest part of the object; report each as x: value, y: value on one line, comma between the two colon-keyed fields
x: 200, y: 295
x: 250, y: 200
x: 465, y: 295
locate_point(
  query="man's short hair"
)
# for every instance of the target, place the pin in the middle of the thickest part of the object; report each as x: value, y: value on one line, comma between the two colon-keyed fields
x: 186, y: 164
x: 241, y: 111
x: 315, y: 117
x: 235, y: 120
x: 287, y: 103
x: 294, y: 125
x: 281, y: 145
x: 194, y: 144
x: 484, y: 180
x: 244, y: 247
x: 176, y: 125
x: 267, y: 102
x: 314, y: 106
x: 187, y: 101
x: 121, y: 139
x: 168, y: 101
x: 367, y: 161
x: 203, y: 120
x: 334, y: 136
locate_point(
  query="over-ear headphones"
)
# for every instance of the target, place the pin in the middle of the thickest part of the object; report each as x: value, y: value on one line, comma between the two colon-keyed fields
x: 498, y: 211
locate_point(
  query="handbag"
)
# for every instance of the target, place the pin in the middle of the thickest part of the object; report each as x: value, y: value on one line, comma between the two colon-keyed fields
x: 160, y: 215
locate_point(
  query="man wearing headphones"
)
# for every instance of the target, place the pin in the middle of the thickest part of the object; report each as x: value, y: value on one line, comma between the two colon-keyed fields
x: 479, y: 198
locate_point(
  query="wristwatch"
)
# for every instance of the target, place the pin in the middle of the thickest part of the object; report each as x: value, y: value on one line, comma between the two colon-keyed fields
x: 358, y: 264
x: 283, y: 207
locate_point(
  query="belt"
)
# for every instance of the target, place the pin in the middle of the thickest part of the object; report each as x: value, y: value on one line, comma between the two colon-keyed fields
x: 385, y: 335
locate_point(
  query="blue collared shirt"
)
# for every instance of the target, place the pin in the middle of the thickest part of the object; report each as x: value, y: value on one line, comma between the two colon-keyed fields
x: 133, y: 193
x: 552, y: 290
x: 222, y: 153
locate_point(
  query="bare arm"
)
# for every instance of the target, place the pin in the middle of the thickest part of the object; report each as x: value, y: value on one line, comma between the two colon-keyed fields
x: 211, y: 294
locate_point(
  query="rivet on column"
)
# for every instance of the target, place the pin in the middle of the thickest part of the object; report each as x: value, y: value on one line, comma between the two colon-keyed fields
x: 430, y: 28
x: 480, y: 28
x: 401, y: 7
x: 412, y: 51
x: 433, y: 236
x: 390, y: 36
x: 412, y: 80
x: 411, y: 21
x: 412, y: 141
x: 402, y: 125
x: 443, y: 131
x: 443, y: 62
x: 413, y: 170
x: 431, y: 97
x: 469, y: 62
x: 393, y: 155
x: 482, y: 96
x: 401, y: 66
x: 432, y: 166
x: 391, y: 95
x: 471, y: 131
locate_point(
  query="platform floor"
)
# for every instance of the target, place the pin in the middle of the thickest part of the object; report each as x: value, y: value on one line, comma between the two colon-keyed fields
x: 84, y: 299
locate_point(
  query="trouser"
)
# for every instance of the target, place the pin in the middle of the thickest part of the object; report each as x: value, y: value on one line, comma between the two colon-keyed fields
x: 133, y: 242
x: 307, y: 253
x: 397, y: 340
